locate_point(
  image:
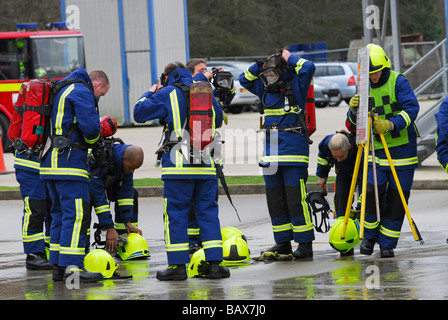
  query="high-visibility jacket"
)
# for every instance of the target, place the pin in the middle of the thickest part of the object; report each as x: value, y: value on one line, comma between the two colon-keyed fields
x: 442, y: 135
x: 74, y: 103
x: 121, y: 190
x: 286, y: 148
x: 169, y: 105
x: 394, y: 91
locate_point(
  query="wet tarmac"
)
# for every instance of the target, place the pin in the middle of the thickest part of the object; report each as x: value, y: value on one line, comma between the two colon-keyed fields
x: 417, y: 272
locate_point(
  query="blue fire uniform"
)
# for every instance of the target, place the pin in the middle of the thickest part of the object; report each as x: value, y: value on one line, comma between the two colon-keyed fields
x: 286, y: 154
x: 118, y: 187
x: 183, y: 181
x: 66, y: 172
x: 442, y: 135
x: 36, y: 211
x: 398, y: 97
x: 344, y: 172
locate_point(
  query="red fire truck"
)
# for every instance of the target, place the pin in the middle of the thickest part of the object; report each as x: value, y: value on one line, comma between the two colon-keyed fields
x: 31, y: 54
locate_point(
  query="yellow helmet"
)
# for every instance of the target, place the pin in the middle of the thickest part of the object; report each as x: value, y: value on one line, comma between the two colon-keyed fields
x: 378, y: 58
x: 228, y: 232
x: 235, y: 251
x: 197, y: 264
x: 99, y: 260
x: 351, y: 238
x: 136, y: 247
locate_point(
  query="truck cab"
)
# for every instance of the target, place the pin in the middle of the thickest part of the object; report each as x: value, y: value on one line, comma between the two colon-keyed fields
x: 28, y: 54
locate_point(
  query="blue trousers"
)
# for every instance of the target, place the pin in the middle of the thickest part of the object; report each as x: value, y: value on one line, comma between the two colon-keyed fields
x: 392, y: 213
x: 36, y: 211
x: 177, y: 198
x: 287, y: 205
x: 70, y: 228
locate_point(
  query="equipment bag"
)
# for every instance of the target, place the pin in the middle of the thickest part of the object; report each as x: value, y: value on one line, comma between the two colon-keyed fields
x: 30, y: 124
x: 310, y: 110
x: 35, y: 112
x: 201, y: 115
x: 15, y: 127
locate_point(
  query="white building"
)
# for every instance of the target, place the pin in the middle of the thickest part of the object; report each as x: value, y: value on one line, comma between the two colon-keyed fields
x: 132, y: 41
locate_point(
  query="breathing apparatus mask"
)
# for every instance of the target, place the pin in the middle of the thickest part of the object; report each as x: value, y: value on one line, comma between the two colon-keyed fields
x: 272, y: 75
x: 222, y: 80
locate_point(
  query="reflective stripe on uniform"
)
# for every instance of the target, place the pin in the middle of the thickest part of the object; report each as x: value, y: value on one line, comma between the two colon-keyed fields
x: 125, y: 202
x: 189, y: 171
x: 299, y: 65
x: 281, y: 228
x: 396, y: 162
x: 390, y: 233
x: 27, y: 163
x: 322, y: 161
x: 249, y: 76
x: 61, y: 108
x: 285, y: 158
x: 78, y: 223
x: 26, y: 222
x: 176, y: 114
x: 371, y: 225
x: 101, y: 209
x: 212, y: 244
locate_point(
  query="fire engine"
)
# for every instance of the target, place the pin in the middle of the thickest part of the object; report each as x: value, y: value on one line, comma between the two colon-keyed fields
x: 29, y: 53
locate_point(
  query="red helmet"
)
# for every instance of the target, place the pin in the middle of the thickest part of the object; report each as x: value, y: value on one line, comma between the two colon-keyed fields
x: 108, y: 126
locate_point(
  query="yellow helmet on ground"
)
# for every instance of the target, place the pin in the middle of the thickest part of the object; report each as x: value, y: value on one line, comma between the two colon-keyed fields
x: 194, y: 268
x: 99, y: 260
x: 136, y: 247
x: 228, y: 232
x: 235, y: 251
x: 378, y: 58
x: 351, y: 238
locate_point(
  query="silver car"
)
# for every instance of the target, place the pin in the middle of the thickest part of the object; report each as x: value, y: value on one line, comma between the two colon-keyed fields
x: 243, y: 99
x: 344, y: 74
x: 326, y: 93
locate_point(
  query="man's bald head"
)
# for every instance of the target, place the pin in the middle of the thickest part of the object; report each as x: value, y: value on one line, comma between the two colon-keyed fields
x: 132, y: 159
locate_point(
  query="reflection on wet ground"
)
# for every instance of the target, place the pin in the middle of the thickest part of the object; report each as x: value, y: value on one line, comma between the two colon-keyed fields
x: 423, y: 276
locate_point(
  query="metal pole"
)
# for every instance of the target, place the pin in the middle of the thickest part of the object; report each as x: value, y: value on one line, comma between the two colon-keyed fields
x: 396, y: 34
x: 367, y: 32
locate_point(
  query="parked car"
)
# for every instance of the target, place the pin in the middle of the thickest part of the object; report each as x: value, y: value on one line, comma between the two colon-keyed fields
x: 243, y: 99
x: 344, y: 74
x: 326, y: 93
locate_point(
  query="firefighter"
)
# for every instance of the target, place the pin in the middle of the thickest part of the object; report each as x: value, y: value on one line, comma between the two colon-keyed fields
x: 442, y: 135
x: 396, y: 107
x: 114, y: 181
x: 36, y: 211
x: 338, y: 150
x: 282, y: 83
x: 76, y: 128
x: 184, y: 181
x: 198, y: 69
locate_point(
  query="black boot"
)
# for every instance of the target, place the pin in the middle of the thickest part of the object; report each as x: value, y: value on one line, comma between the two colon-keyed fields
x: 280, y: 248
x: 37, y: 261
x: 58, y: 273
x: 217, y: 271
x: 304, y: 251
x: 367, y: 246
x: 173, y: 272
x: 386, y: 252
x: 84, y: 275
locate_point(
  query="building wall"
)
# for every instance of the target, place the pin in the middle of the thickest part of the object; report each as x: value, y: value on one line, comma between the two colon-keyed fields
x: 99, y: 22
